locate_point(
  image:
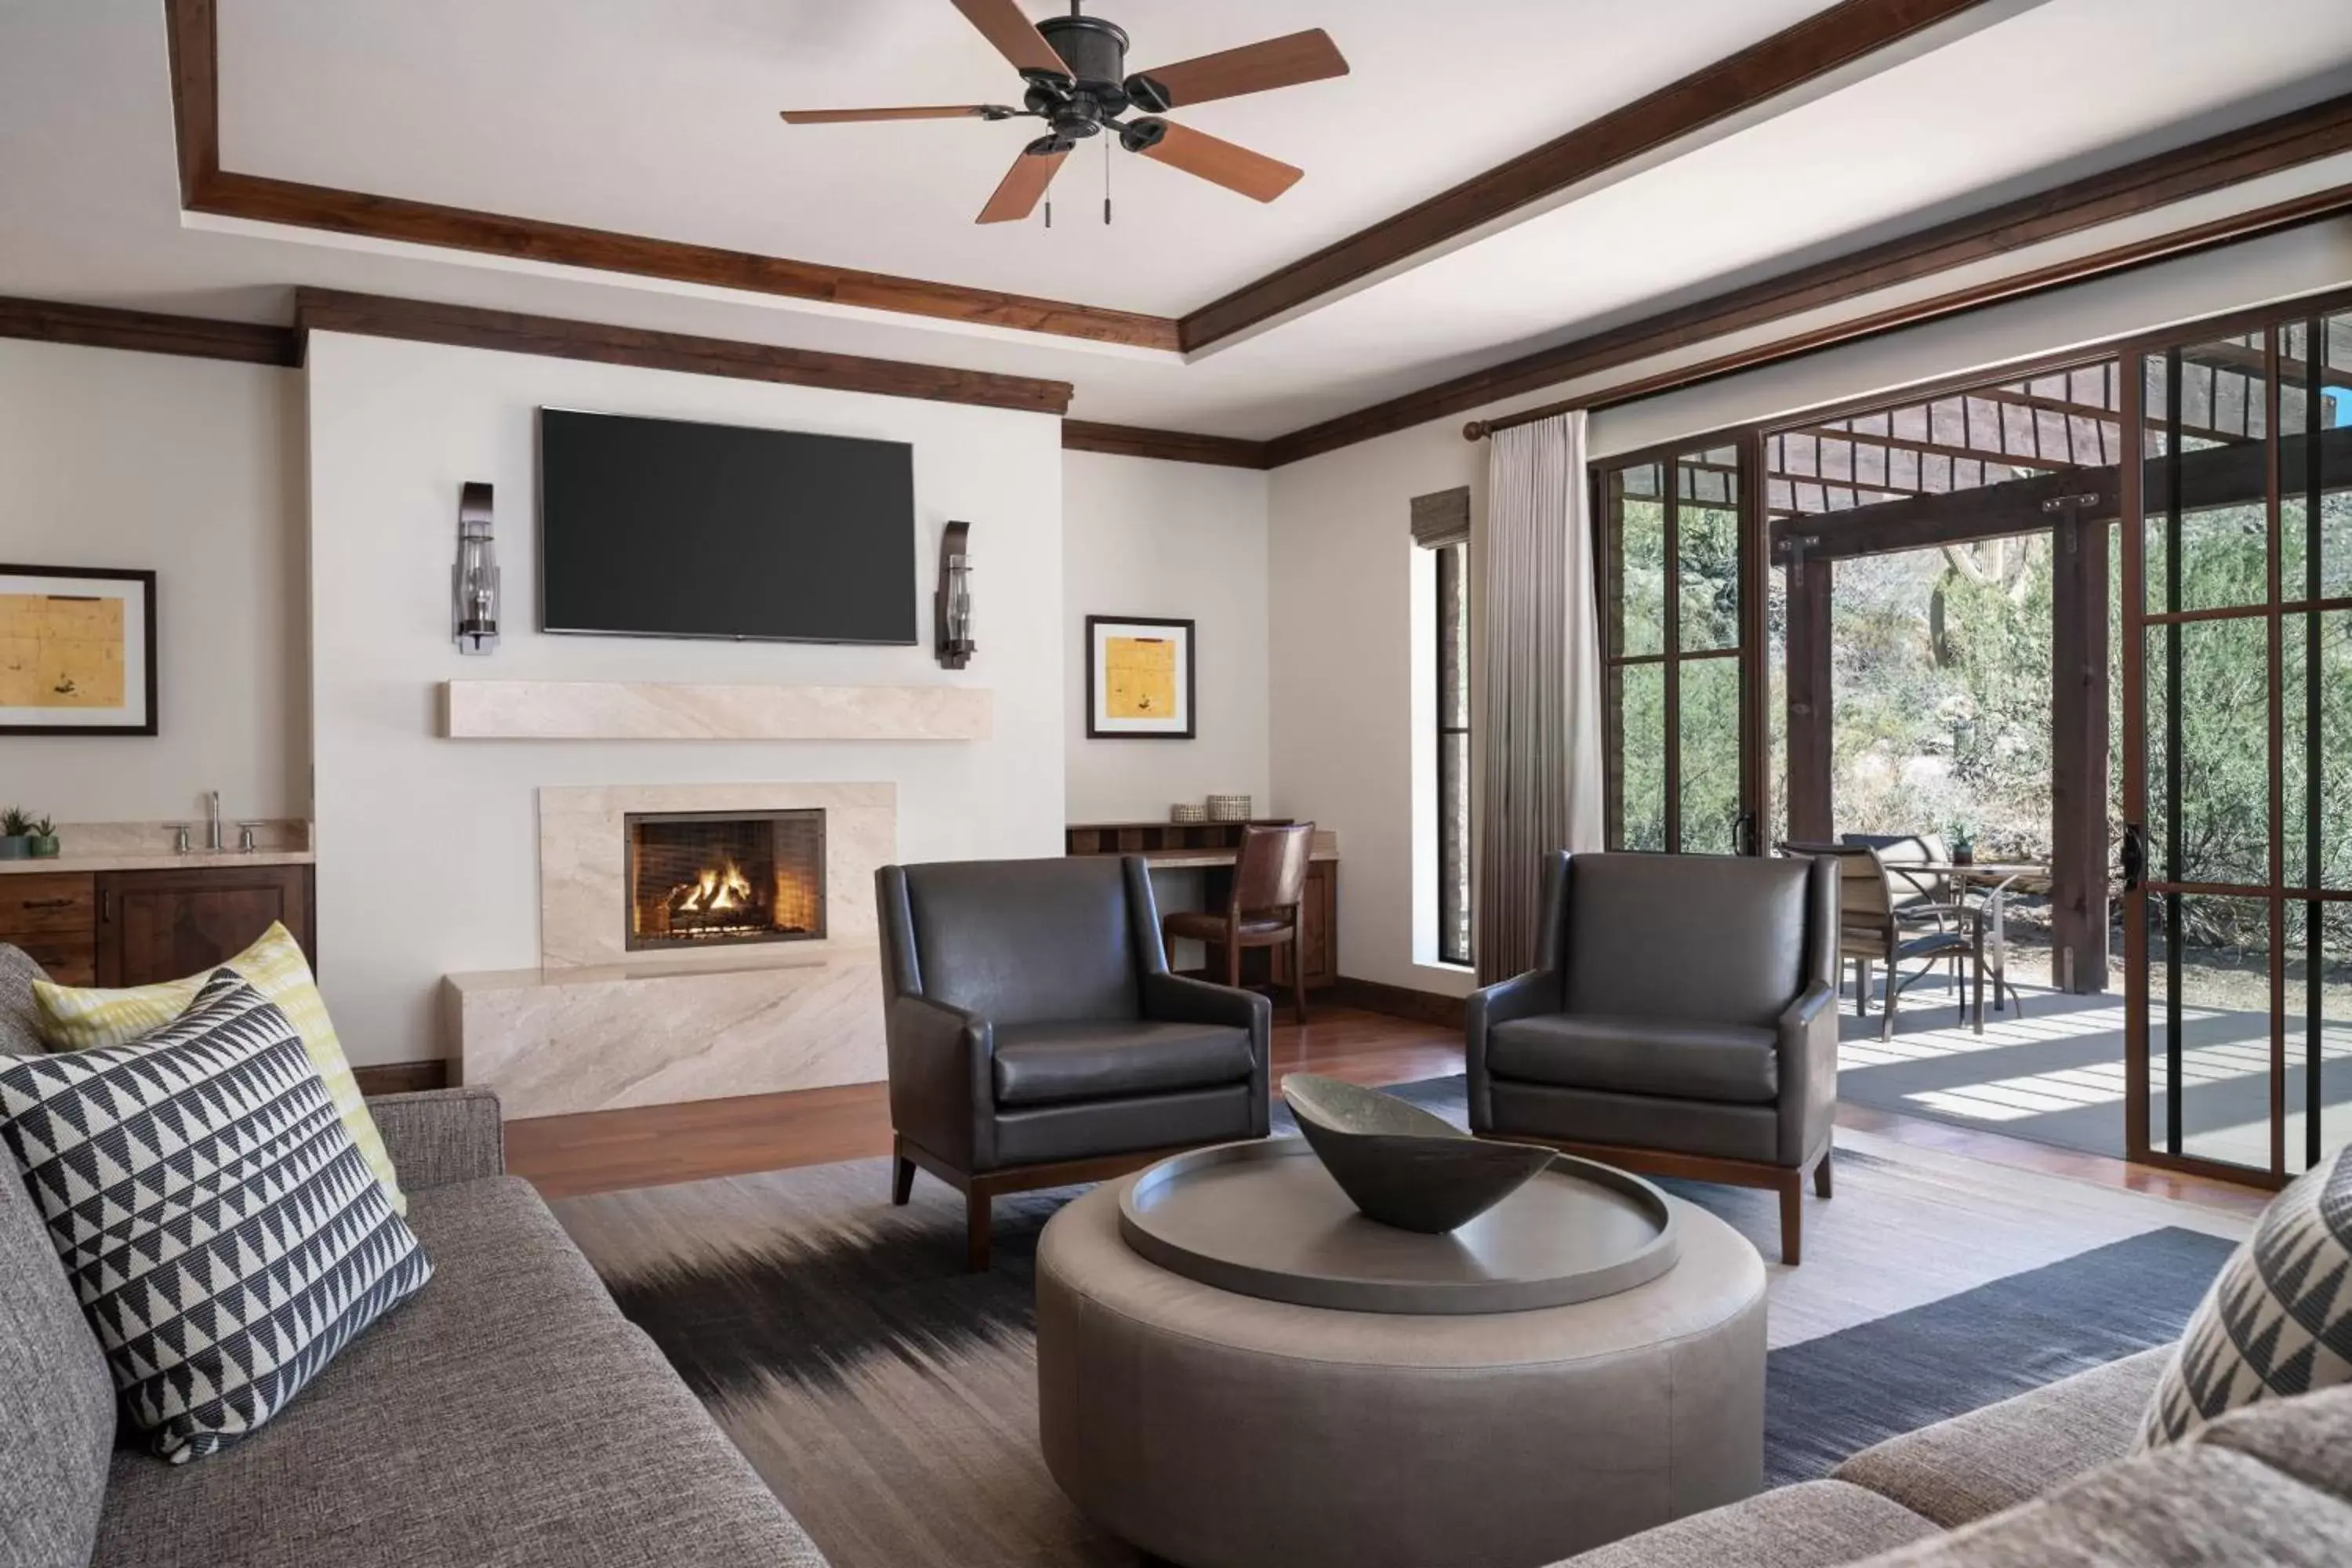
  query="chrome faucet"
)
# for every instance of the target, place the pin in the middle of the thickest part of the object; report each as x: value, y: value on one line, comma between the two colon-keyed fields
x: 212, y: 820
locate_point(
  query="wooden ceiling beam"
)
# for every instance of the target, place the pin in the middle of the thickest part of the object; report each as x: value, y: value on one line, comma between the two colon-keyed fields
x: 147, y: 331
x: 1171, y: 446
x: 1827, y: 41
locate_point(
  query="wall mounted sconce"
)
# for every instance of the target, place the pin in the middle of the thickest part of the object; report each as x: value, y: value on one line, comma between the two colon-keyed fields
x: 474, y: 581
x: 952, y: 604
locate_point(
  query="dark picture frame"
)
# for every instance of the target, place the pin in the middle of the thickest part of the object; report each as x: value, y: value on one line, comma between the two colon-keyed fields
x: 1103, y: 726
x: 141, y: 693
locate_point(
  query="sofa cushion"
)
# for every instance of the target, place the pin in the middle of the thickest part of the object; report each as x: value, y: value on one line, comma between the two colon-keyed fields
x: 224, y: 1238
x: 1976, y: 1464
x: 2309, y: 1438
x: 1050, y: 1063
x: 2196, y: 1506
x: 57, y: 1402
x: 1815, y: 1524
x: 76, y: 1018
x: 507, y: 1415
x: 1685, y: 936
x: 2277, y: 1321
x: 1720, y: 1062
x: 1025, y: 940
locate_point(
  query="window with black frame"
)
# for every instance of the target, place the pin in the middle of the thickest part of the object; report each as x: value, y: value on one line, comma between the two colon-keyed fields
x: 1453, y: 754
x: 1674, y: 691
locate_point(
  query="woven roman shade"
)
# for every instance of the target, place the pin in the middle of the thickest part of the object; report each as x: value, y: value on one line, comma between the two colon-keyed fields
x: 1442, y: 519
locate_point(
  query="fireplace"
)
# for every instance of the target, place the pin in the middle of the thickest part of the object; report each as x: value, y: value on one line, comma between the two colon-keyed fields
x: 718, y: 879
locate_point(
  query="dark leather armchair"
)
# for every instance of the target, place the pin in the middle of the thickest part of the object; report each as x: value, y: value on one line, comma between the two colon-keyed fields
x: 1037, y: 1037
x: 1684, y: 1022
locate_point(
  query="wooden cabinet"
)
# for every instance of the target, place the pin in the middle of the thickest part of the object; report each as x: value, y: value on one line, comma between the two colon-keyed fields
x: 54, y: 917
x: 1318, y: 929
x: 134, y: 928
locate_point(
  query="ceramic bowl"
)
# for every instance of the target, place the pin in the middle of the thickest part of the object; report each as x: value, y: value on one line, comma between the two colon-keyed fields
x: 1400, y: 1165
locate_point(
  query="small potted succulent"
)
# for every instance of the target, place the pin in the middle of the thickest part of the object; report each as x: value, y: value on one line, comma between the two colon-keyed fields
x: 41, y: 839
x: 16, y: 834
x: 1962, y: 841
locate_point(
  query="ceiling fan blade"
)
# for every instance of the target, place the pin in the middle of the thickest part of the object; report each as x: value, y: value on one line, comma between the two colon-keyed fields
x: 935, y: 111
x: 1000, y: 22
x: 1017, y: 194
x: 1212, y: 158
x: 1310, y: 56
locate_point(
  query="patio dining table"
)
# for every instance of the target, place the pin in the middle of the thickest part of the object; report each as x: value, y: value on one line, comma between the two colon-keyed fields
x: 1995, y: 879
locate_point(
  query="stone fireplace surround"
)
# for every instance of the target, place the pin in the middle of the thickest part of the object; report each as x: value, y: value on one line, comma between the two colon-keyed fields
x: 597, y: 1028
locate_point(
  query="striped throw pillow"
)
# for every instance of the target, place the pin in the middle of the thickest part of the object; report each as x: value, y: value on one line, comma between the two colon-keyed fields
x: 222, y: 1234
x: 82, y: 1018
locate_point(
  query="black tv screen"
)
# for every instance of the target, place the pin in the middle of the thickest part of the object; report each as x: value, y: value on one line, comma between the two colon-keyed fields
x: 660, y: 528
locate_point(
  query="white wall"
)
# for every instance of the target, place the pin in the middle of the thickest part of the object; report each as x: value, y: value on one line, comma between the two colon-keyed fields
x: 190, y: 469
x: 429, y: 847
x: 1141, y: 537
x: 1342, y: 569
x: 1343, y: 716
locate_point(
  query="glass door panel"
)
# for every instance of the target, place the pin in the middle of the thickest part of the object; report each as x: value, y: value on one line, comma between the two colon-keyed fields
x: 1672, y: 563
x: 2238, y: 749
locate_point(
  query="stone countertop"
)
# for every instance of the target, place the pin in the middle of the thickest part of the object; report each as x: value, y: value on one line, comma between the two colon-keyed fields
x: 70, y: 863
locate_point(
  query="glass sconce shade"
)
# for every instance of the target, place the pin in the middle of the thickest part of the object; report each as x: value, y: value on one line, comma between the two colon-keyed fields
x: 474, y: 581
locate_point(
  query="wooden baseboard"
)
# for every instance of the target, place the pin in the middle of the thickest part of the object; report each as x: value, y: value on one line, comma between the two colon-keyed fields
x: 1398, y: 1001
x: 402, y: 1078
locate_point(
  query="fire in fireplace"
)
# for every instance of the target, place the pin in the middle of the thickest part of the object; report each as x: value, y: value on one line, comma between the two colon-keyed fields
x: 714, y: 879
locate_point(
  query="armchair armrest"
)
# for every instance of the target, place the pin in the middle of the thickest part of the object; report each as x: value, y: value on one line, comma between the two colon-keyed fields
x: 1521, y: 996
x: 1808, y: 1062
x: 1180, y: 999
x: 441, y: 1137
x: 942, y: 1060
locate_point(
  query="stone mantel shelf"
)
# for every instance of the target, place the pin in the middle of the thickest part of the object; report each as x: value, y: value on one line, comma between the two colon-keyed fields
x: 649, y: 710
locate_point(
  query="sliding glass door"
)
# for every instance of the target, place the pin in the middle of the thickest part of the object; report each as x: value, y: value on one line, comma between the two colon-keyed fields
x: 2237, y: 747
x: 1679, y: 686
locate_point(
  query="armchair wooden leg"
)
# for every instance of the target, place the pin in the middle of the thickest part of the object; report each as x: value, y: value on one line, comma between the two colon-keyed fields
x: 1821, y: 1176
x: 1297, y: 981
x: 1792, y: 1217
x: 1233, y: 964
x: 976, y: 1222
x: 902, y: 1182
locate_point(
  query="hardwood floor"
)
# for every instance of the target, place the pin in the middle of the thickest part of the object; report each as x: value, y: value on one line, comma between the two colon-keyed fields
x: 604, y: 1150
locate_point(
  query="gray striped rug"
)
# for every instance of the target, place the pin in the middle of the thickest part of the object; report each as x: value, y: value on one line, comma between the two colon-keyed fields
x: 888, y: 1397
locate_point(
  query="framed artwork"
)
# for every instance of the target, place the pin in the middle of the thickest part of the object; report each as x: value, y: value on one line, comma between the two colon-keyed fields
x: 1139, y: 677
x: 77, y: 651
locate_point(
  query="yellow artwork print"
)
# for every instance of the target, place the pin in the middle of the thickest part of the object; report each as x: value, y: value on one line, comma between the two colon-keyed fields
x: 1142, y: 676
x: 61, y: 652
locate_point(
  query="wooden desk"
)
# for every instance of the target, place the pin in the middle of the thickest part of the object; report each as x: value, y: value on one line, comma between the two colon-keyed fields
x: 1211, y: 849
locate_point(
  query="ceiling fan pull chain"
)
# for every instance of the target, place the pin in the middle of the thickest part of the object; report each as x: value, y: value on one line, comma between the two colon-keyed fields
x: 1106, y: 184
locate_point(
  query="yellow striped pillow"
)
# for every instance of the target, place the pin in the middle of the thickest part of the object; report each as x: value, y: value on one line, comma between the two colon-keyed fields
x: 76, y: 1018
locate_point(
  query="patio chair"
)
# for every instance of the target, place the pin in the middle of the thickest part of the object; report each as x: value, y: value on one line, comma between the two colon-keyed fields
x: 1871, y: 932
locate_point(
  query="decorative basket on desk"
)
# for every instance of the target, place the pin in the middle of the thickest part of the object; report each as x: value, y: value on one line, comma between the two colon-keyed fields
x: 1229, y: 808
x: 1187, y: 810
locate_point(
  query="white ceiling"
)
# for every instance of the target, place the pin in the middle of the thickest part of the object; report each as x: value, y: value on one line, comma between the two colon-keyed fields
x: 660, y: 120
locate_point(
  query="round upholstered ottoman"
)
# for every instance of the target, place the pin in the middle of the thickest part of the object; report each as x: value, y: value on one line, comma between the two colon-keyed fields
x: 1223, y: 1431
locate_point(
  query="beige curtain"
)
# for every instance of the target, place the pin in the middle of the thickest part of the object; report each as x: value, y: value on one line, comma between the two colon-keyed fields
x: 1538, y: 717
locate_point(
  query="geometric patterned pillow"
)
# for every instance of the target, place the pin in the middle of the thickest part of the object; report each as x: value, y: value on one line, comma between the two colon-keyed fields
x: 80, y: 1018
x: 2277, y: 1322
x: 224, y: 1237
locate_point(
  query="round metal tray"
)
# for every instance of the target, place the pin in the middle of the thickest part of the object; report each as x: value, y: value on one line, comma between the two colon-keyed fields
x: 1264, y: 1218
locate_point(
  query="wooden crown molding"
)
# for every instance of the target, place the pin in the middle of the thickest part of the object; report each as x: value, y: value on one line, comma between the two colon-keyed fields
x: 464, y: 326
x: 1825, y: 42
x: 192, y: 29
x: 1171, y: 445
x: 1821, y: 44
x: 2200, y: 169
x: 146, y: 332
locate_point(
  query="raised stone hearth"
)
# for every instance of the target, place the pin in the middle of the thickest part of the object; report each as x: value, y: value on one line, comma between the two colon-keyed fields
x: 597, y: 1026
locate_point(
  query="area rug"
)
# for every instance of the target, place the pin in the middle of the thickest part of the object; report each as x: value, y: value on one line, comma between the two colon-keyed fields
x: 888, y: 1398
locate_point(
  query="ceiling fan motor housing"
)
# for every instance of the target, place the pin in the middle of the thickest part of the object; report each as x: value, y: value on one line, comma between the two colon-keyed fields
x: 1097, y: 87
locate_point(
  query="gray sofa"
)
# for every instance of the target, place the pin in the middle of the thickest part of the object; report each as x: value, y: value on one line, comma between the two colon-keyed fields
x: 2043, y: 1481
x: 505, y: 1416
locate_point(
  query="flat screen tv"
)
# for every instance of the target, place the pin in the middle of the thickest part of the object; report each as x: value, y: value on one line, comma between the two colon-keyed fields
x: 665, y: 529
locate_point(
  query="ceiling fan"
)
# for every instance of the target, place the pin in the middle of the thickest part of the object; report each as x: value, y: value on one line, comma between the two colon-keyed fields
x: 1080, y: 85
